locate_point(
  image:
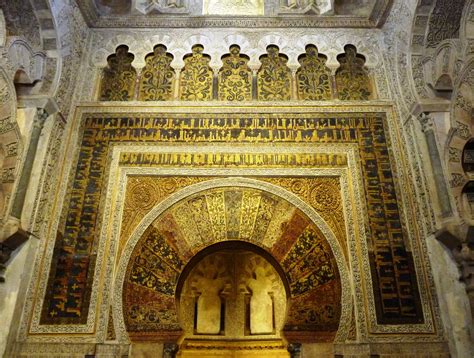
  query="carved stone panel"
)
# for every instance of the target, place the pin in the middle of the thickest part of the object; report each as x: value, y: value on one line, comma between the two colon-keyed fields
x: 157, y: 78
x: 118, y: 81
x: 274, y: 76
x: 352, y: 80
x: 313, y: 77
x: 196, y: 77
x: 235, y: 77
x: 161, y: 6
x: 307, y: 7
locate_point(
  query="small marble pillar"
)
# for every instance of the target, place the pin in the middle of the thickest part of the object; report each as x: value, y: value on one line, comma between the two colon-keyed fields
x: 215, y: 82
x: 254, y: 68
x: 24, y: 180
x: 177, y: 77
x: 294, y: 83
x: 427, y: 127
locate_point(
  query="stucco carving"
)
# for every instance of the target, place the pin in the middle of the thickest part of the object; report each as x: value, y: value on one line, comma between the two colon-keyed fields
x: 325, y: 7
x: 10, y: 144
x: 162, y: 6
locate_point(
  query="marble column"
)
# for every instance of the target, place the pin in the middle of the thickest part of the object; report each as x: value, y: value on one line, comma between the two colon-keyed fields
x: 443, y: 196
x: 24, y: 180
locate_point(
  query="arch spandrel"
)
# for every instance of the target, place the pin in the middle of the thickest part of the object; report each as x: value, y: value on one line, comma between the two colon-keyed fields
x: 157, y: 254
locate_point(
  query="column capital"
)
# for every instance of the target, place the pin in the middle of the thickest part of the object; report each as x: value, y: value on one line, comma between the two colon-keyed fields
x: 41, y: 116
x: 426, y: 121
x: 254, y: 67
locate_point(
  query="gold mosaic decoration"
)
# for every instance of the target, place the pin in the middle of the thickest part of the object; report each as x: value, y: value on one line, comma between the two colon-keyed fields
x: 323, y: 194
x: 118, y: 80
x: 231, y: 213
x: 274, y: 76
x: 142, y: 194
x: 235, y: 77
x: 313, y: 77
x: 196, y: 77
x: 157, y: 78
x: 352, y: 80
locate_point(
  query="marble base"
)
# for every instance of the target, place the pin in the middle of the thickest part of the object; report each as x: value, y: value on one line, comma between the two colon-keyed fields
x: 233, y: 349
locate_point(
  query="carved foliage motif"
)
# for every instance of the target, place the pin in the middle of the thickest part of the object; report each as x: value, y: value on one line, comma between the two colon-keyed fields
x: 274, y: 76
x: 235, y: 77
x: 118, y: 81
x: 445, y: 21
x: 157, y: 78
x: 313, y: 77
x: 196, y: 77
x: 352, y: 80
x: 4, y: 92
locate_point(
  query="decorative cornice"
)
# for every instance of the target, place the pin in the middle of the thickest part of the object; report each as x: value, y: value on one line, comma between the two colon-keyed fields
x: 179, y: 21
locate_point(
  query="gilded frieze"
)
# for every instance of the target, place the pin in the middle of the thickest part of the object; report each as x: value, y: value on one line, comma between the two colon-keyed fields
x: 352, y: 80
x: 118, y: 80
x: 196, y: 81
x: 235, y: 77
x: 157, y: 78
x: 313, y: 77
x: 274, y: 76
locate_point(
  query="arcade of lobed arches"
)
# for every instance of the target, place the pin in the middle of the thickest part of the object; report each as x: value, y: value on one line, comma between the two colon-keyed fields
x: 273, y: 80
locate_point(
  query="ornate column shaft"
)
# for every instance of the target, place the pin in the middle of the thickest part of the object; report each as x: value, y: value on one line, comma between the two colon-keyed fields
x: 294, y: 86
x: 254, y: 69
x: 215, y: 82
x: 443, y: 196
x: 22, y: 187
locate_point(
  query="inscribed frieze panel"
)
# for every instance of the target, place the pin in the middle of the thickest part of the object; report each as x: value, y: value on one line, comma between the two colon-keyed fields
x: 68, y: 294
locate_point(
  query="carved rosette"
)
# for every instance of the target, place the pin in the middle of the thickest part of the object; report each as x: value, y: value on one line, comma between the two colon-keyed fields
x: 274, y: 76
x: 157, y: 79
x: 118, y: 80
x: 235, y: 77
x: 196, y: 77
x: 313, y: 77
x: 352, y: 80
